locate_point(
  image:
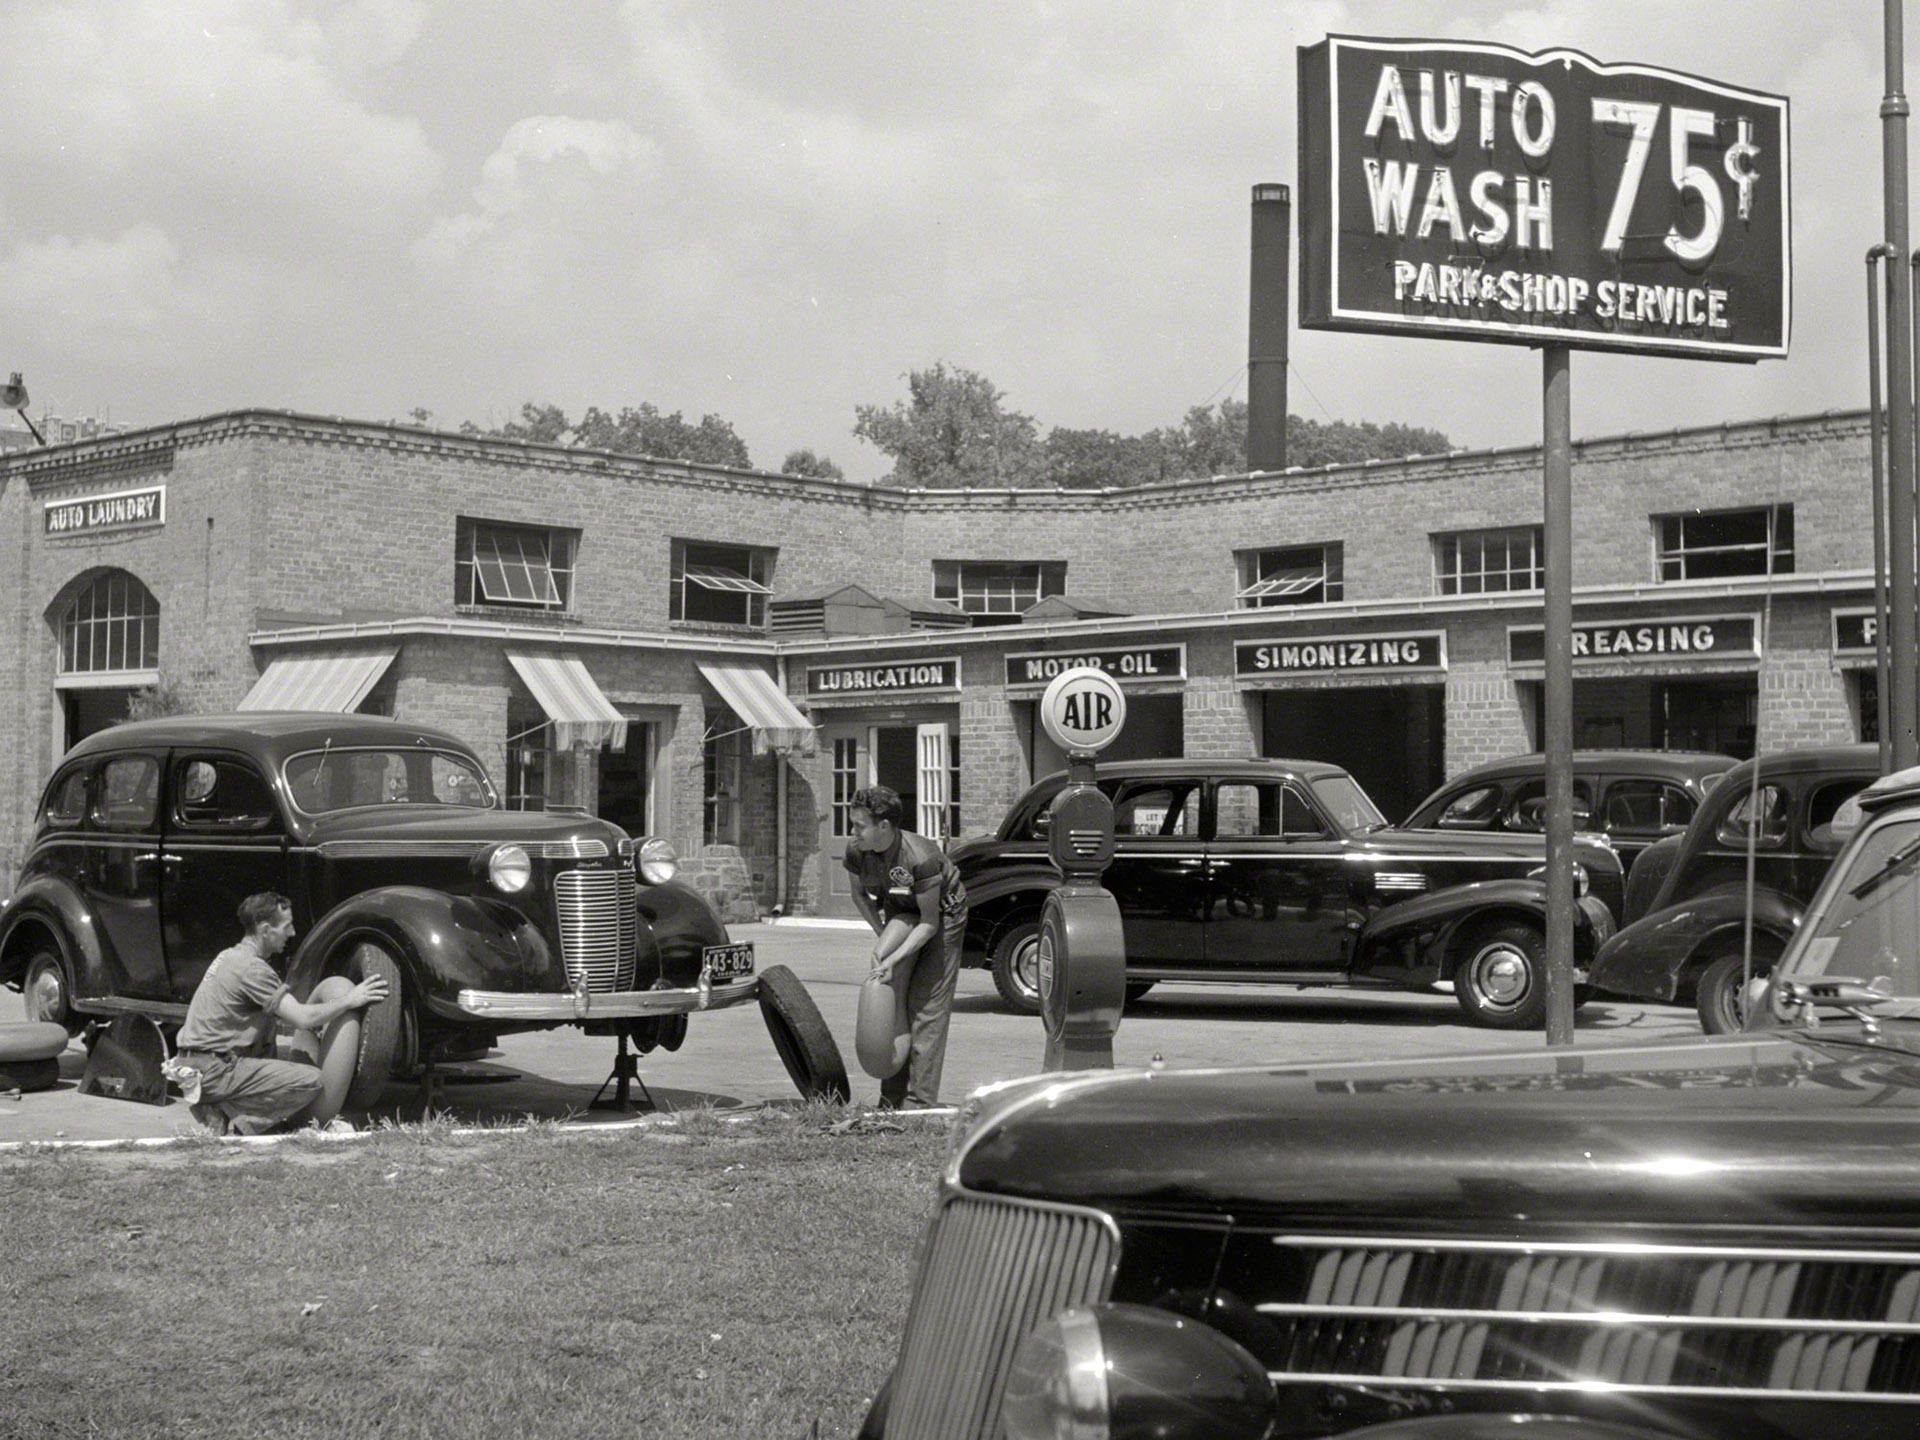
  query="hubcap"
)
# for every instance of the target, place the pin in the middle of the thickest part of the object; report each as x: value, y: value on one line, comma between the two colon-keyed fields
x: 1026, y: 968
x: 46, y: 996
x: 1501, y: 976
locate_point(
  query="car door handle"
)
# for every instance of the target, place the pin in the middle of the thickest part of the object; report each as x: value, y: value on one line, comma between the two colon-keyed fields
x: 156, y: 857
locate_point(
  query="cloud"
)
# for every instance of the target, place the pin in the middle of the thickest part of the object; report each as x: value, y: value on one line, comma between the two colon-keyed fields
x: 128, y: 283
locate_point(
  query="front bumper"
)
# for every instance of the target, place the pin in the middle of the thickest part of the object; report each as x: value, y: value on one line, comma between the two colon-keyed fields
x: 581, y: 1005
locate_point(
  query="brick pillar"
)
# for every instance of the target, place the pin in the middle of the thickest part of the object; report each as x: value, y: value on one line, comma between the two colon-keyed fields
x: 993, y: 764
x: 1221, y: 721
x: 1486, y: 719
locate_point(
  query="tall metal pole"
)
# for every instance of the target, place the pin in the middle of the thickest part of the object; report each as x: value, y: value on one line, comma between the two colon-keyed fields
x: 1557, y: 455
x: 1900, y: 457
x: 1267, y: 314
x: 1876, y: 428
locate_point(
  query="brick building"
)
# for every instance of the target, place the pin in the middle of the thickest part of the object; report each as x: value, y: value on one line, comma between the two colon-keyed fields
x: 720, y: 656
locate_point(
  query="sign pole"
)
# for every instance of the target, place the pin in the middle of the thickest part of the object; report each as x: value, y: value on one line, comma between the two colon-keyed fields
x: 1557, y: 453
x: 1900, y: 429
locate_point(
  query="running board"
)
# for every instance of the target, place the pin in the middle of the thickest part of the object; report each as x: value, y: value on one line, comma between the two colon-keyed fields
x: 1263, y: 977
x: 115, y: 1005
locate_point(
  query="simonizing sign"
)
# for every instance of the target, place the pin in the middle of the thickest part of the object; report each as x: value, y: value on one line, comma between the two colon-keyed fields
x: 1479, y: 192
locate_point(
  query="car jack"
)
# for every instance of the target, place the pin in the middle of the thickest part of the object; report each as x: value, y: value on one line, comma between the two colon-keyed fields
x: 626, y: 1072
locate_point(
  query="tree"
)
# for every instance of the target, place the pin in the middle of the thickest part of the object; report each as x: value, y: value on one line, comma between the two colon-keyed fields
x: 635, y: 430
x: 953, y: 432
x: 815, y: 467
x: 1092, y: 459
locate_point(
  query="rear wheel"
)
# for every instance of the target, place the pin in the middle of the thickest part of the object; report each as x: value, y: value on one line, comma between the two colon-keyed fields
x: 381, y: 1024
x: 48, y: 996
x: 1016, y: 967
x: 1500, y: 981
x: 1720, y: 996
x: 801, y: 1037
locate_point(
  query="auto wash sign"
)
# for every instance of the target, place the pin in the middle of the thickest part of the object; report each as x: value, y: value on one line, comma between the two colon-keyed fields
x: 1683, y: 637
x: 882, y: 681
x: 1415, y: 653
x: 1475, y: 191
x: 1142, y: 665
x: 141, y: 509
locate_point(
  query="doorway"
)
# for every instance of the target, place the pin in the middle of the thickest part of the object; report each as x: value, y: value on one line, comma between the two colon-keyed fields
x: 626, y: 790
x: 1390, y: 738
x: 90, y: 710
x: 920, y: 760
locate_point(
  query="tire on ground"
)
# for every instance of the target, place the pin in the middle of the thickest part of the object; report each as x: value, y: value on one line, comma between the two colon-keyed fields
x: 1501, y: 978
x: 1017, y: 949
x: 48, y: 992
x: 1138, y: 988
x: 801, y: 1037
x: 381, y: 1024
x: 1716, y: 997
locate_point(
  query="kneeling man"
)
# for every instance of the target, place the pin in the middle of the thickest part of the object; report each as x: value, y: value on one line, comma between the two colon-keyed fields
x: 228, y: 1036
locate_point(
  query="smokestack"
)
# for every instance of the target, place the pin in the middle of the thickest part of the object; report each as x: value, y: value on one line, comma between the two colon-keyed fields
x: 1267, y: 328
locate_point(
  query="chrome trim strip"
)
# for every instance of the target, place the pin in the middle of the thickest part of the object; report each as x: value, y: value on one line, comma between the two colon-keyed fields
x: 1864, y: 1328
x: 587, y: 1005
x: 1596, y: 1247
x: 118, y: 1005
x: 1589, y: 1387
x: 374, y: 849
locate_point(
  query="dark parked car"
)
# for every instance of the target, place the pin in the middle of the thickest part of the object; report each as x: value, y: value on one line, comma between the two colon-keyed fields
x: 1283, y: 871
x: 1633, y: 797
x: 398, y: 860
x: 1684, y: 936
x: 1715, y: 1239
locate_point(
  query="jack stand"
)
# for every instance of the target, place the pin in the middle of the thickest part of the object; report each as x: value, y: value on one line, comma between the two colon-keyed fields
x: 431, y: 1089
x: 626, y: 1071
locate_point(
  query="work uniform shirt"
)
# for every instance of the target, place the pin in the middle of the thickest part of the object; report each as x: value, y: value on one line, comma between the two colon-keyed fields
x: 913, y: 866
x: 232, y: 1010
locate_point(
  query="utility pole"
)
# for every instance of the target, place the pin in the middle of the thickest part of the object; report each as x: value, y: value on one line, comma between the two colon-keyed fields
x: 1903, y: 678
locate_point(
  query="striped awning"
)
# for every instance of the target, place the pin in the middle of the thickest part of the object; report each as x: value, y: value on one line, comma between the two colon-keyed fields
x: 337, y: 683
x: 763, y: 708
x: 580, y: 711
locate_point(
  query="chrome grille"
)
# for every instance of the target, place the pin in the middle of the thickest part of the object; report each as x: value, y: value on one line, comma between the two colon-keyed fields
x: 598, y: 926
x: 992, y: 1271
x: 1678, y: 1319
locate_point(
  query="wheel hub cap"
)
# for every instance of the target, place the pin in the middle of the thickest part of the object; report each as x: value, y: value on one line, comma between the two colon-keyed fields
x: 1026, y: 967
x: 1503, y: 977
x: 44, y: 997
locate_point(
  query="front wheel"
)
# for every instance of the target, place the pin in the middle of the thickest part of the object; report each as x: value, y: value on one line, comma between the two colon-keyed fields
x: 47, y: 995
x: 1016, y: 967
x: 1720, y: 998
x: 1500, y: 981
x: 801, y: 1037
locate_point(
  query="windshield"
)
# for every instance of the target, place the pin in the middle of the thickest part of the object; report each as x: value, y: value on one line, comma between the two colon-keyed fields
x: 1868, y: 924
x: 323, y: 780
x: 1348, y: 803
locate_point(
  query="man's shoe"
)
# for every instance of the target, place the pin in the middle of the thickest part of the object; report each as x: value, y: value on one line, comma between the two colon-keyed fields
x: 212, y: 1117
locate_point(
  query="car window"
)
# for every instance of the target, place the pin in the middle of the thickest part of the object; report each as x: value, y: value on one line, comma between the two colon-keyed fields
x: 1474, y: 809
x: 1158, y: 811
x: 1822, y: 807
x: 1342, y: 797
x: 1646, y: 807
x: 1870, y: 928
x: 1527, y: 810
x: 1770, y: 827
x: 220, y: 792
x: 129, y: 797
x: 1265, y: 809
x: 67, y: 798
x: 323, y: 780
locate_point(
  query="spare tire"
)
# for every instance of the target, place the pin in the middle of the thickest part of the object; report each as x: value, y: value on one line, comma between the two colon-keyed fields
x: 381, y: 1023
x: 800, y: 1034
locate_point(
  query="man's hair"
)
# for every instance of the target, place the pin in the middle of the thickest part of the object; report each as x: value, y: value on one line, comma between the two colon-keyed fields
x: 260, y: 909
x: 880, y: 801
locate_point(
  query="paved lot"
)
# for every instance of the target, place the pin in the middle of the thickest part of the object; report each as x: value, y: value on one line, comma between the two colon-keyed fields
x: 728, y: 1059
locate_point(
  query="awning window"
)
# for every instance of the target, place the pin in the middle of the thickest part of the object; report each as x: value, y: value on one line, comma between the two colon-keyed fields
x: 335, y: 683
x: 715, y: 577
x: 1284, y: 582
x: 514, y: 567
x: 579, y: 709
x: 765, y: 710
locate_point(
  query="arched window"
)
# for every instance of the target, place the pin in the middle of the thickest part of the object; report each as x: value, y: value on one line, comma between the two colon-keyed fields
x: 113, y: 624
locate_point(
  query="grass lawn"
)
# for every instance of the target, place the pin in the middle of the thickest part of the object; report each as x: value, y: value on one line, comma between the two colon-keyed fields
x: 715, y: 1280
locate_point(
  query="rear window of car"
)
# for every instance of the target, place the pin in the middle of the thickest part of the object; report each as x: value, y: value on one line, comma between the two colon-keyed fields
x: 1824, y: 804
x: 1162, y: 811
x: 1473, y: 809
x: 219, y: 792
x: 129, y: 797
x: 67, y: 798
x: 1764, y: 814
x: 1528, y: 809
x: 1646, y: 807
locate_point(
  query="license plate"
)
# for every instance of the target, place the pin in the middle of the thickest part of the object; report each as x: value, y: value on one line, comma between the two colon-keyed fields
x: 726, y: 962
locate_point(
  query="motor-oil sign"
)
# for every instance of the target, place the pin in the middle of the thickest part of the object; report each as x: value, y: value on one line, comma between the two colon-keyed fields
x: 1480, y: 192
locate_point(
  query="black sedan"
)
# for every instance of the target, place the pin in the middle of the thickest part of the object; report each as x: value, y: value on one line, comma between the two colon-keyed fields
x: 1283, y: 872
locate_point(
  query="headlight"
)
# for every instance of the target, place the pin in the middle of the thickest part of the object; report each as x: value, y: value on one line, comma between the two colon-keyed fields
x: 1128, y: 1372
x: 509, y: 869
x: 656, y: 862
x: 1581, y: 881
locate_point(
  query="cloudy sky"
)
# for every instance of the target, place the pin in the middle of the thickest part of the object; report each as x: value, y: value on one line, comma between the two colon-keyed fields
x: 770, y: 211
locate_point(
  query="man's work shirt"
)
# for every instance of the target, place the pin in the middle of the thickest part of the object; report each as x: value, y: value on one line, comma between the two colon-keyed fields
x: 913, y: 867
x: 232, y: 1010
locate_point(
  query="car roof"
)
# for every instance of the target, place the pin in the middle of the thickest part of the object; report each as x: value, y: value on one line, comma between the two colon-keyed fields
x: 1260, y: 767
x: 1675, y: 764
x: 271, y: 735
x: 1811, y: 760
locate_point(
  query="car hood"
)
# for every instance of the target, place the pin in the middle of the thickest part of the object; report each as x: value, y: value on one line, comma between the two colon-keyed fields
x: 403, y: 824
x: 1769, y: 1129
x: 1492, y: 844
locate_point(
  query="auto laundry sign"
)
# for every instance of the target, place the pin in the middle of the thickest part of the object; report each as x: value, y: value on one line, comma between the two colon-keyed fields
x: 1424, y: 650
x: 880, y: 681
x: 1142, y: 665
x: 1480, y: 192
x: 1684, y: 637
x: 97, y: 514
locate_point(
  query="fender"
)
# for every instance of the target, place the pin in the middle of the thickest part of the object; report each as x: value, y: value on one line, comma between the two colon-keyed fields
x: 999, y: 895
x: 444, y: 943
x: 1650, y: 958
x: 58, y: 908
x: 676, y: 925
x: 1443, y: 913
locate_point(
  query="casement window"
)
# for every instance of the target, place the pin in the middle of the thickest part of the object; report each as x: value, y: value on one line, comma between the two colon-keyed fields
x: 1711, y: 544
x: 997, y: 592
x: 514, y: 567
x: 1481, y: 562
x: 1294, y: 575
x: 720, y: 584
x: 111, y: 626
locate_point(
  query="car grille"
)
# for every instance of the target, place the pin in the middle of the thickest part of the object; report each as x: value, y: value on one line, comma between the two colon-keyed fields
x: 598, y: 926
x: 1670, y: 1319
x: 992, y: 1271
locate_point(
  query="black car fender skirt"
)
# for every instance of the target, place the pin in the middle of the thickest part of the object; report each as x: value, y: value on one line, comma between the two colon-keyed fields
x: 45, y: 905
x: 444, y: 943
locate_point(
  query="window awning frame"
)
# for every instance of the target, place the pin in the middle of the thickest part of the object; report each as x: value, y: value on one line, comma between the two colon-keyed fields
x: 334, y: 683
x: 565, y: 689
x: 778, y: 726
